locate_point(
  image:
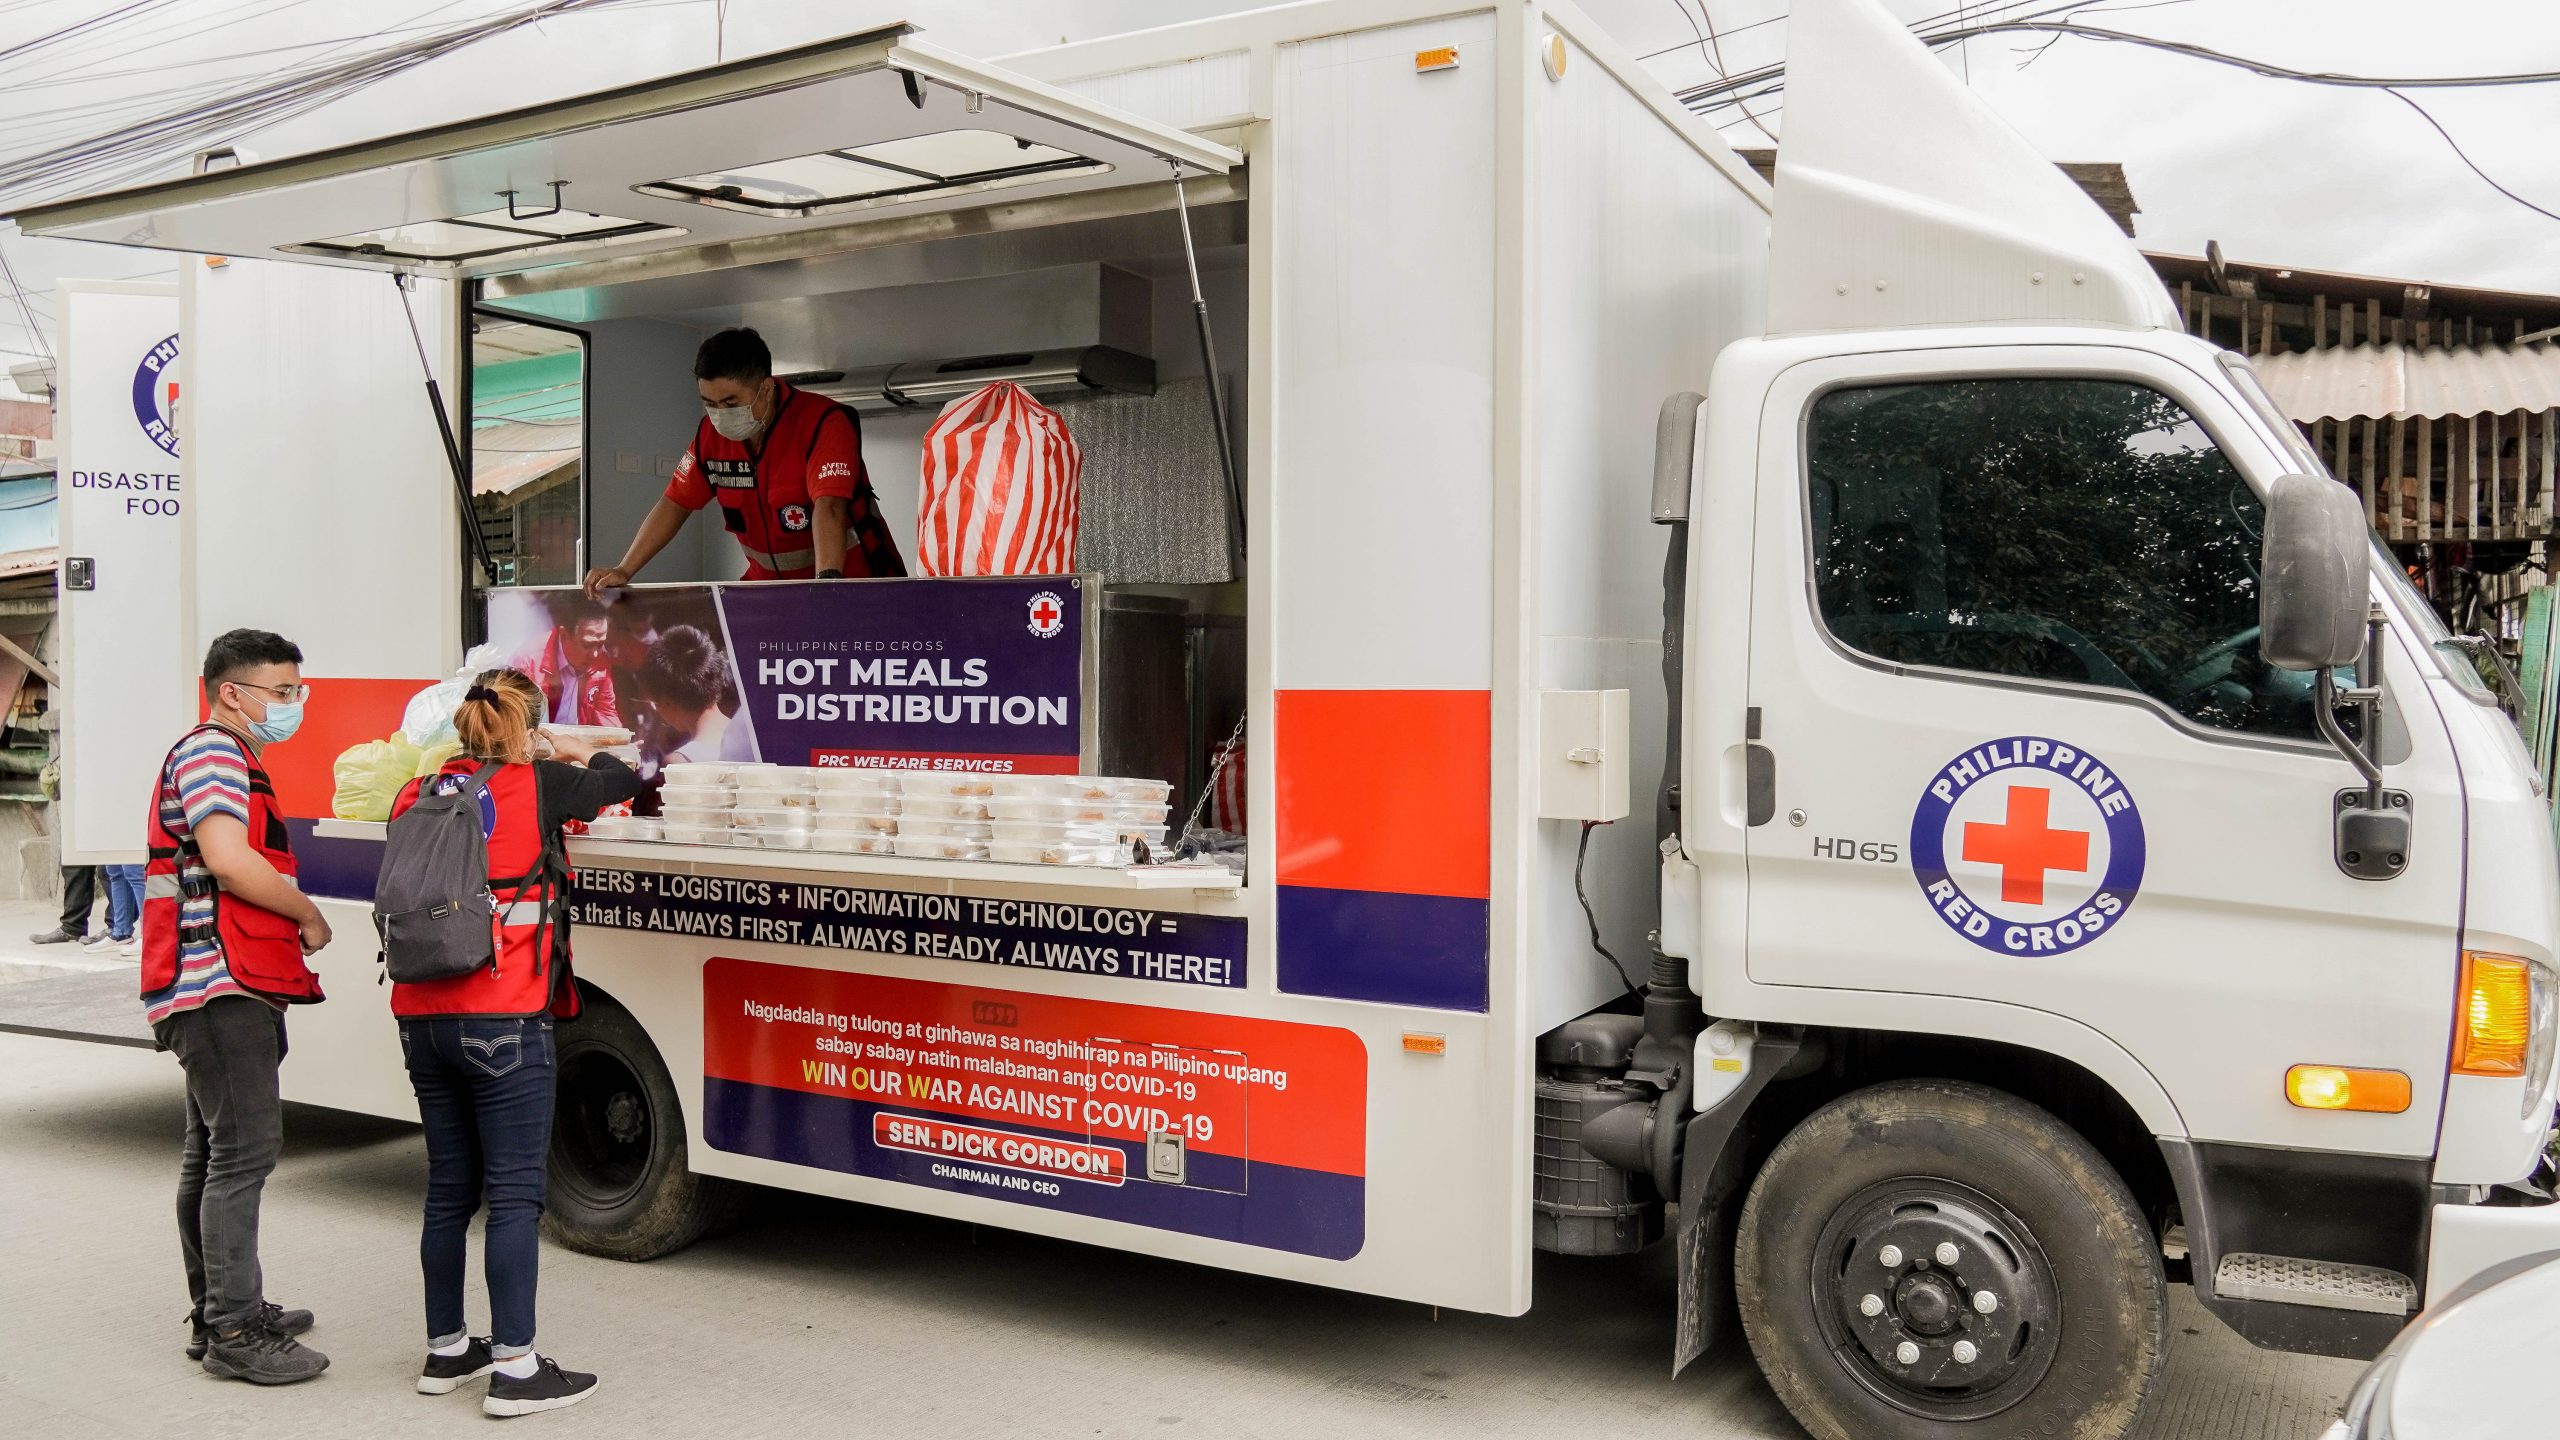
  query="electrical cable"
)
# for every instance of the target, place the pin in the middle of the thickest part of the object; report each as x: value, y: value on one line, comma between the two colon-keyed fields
x: 1715, y: 57
x: 2464, y: 156
x: 1737, y: 91
x: 142, y: 148
x: 1582, y: 852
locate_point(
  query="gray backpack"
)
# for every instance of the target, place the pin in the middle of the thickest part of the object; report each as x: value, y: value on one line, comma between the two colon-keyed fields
x: 432, y: 903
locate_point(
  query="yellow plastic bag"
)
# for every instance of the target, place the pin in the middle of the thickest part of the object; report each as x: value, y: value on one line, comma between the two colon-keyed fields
x: 435, y: 757
x: 370, y: 776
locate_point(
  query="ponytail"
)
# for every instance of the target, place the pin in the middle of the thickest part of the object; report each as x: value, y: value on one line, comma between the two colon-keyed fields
x: 496, y: 718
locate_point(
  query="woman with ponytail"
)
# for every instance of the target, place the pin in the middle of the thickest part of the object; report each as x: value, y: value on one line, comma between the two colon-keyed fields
x: 479, y: 1045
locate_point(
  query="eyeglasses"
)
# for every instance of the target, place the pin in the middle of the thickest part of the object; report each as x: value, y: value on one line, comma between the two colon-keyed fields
x: 284, y: 694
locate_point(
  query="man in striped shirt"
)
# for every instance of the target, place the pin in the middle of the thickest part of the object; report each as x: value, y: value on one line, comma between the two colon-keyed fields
x: 228, y: 1037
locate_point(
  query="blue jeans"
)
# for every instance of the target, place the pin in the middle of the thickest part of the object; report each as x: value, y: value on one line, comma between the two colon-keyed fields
x: 484, y: 1093
x: 124, y: 899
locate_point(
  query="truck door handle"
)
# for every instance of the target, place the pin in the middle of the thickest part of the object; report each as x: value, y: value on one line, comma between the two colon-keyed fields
x: 1759, y: 784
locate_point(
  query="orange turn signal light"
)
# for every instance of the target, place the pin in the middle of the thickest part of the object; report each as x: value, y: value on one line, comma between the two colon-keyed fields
x: 1443, y: 57
x: 2343, y: 1087
x: 2496, y: 1022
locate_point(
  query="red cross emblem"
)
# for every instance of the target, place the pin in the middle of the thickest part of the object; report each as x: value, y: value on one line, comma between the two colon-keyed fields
x: 1048, y: 615
x: 1043, y: 614
x: 2025, y: 847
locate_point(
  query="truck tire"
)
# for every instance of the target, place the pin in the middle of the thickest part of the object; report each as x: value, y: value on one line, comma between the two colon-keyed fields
x: 619, y: 1186
x: 1877, y: 1229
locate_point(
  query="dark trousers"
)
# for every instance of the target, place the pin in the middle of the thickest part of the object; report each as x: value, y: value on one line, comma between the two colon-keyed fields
x: 484, y: 1094
x: 229, y: 1048
x: 79, y: 897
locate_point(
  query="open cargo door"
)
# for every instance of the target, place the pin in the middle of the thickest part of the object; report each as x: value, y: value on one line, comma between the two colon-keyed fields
x: 850, y: 128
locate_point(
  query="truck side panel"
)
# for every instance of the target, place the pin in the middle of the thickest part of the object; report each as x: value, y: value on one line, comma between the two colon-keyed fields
x: 1648, y: 261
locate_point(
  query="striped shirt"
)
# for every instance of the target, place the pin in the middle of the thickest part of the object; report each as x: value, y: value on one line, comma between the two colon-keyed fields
x: 208, y: 776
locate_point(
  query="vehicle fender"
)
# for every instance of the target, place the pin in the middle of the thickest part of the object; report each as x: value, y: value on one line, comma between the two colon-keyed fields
x: 1711, y: 1178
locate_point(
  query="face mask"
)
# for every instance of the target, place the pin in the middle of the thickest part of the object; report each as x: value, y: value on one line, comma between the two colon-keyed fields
x: 282, y: 720
x: 734, y: 422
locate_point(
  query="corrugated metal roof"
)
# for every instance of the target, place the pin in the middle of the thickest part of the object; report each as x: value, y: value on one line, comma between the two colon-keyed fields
x: 510, y: 455
x: 2386, y: 381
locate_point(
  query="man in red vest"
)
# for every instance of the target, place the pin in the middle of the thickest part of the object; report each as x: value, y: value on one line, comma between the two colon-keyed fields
x: 785, y: 466
x: 225, y: 934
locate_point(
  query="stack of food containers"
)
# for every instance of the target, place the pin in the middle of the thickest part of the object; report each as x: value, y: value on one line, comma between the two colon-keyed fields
x: 1075, y: 819
x: 857, y: 811
x: 1022, y: 819
x: 943, y: 815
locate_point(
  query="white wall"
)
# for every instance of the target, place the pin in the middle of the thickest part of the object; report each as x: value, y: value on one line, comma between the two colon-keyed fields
x: 320, y: 501
x: 643, y: 409
x: 1648, y: 263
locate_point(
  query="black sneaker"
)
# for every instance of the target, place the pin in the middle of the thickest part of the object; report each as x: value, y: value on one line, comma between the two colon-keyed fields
x: 55, y: 936
x: 444, y: 1374
x: 548, y: 1388
x: 276, y: 1317
x: 262, y: 1355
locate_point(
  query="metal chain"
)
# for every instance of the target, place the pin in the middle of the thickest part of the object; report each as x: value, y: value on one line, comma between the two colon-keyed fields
x: 1226, y: 752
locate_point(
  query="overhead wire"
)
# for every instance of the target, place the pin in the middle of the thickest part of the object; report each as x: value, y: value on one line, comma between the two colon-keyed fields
x: 238, y: 109
x: 1737, y: 91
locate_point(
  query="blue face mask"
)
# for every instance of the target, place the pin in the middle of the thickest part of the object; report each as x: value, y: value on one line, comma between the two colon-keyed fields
x: 282, y: 720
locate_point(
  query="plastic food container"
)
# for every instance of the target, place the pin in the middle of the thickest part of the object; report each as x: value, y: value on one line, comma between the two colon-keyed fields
x: 759, y: 795
x: 857, y: 842
x: 1056, y: 852
x: 856, y: 822
x: 910, y: 826
x: 1114, y: 812
x: 1114, y: 789
x: 701, y: 772
x: 853, y: 782
x: 624, y: 827
x: 697, y: 818
x: 698, y: 797
x: 1075, y: 832
x: 945, y: 785
x: 930, y: 807
x: 1032, y: 787
x: 679, y: 834
x: 781, y: 839
x: 779, y: 819
x: 934, y: 847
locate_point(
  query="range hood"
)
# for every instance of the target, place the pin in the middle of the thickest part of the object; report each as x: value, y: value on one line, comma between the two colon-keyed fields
x: 1049, y: 375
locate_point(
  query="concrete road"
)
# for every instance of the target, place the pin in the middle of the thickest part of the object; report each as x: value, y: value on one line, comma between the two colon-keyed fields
x: 819, y: 1318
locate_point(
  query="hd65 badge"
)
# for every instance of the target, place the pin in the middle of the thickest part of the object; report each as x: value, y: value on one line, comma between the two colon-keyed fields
x: 2027, y: 846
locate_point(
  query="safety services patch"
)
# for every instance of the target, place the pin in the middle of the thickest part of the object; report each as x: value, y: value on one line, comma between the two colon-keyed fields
x: 2028, y: 846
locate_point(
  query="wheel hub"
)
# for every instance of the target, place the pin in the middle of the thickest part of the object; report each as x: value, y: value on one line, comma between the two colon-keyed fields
x: 1936, y: 1298
x: 624, y: 1118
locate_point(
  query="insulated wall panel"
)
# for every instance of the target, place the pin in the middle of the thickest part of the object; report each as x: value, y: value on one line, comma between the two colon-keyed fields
x: 1648, y: 262
x: 1383, y: 506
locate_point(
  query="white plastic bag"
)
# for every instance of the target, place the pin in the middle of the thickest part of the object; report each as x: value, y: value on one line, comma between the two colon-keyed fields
x: 428, y: 720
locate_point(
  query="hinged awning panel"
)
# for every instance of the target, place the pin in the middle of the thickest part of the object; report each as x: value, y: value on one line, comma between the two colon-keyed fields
x: 873, y: 123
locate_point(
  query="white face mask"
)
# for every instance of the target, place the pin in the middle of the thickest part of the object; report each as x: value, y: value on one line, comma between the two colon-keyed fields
x: 734, y: 422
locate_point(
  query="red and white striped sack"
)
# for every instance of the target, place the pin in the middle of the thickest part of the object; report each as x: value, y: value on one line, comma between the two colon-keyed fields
x: 1000, y: 496
x: 1226, y: 798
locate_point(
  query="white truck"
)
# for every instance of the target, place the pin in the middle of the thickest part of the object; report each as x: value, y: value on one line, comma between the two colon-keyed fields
x: 2065, y: 858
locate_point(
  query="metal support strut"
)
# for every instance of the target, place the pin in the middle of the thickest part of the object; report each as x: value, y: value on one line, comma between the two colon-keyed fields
x: 471, y: 535
x: 1209, y: 368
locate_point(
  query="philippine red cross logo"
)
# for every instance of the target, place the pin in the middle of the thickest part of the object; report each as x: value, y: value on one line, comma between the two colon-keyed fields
x: 795, y: 517
x: 2027, y: 845
x: 1048, y: 614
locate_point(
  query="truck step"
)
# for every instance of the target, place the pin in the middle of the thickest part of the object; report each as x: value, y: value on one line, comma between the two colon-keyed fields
x: 2326, y: 1283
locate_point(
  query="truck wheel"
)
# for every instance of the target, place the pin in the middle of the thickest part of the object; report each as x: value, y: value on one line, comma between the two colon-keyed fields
x: 1941, y: 1260
x: 619, y: 1186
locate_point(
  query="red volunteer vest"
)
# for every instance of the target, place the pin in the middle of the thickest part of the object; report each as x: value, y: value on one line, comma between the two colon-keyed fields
x: 531, y: 971
x: 765, y: 500
x: 262, y: 948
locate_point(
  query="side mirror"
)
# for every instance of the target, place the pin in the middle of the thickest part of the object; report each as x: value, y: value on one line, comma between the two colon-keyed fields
x: 2315, y: 613
x: 2314, y: 587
